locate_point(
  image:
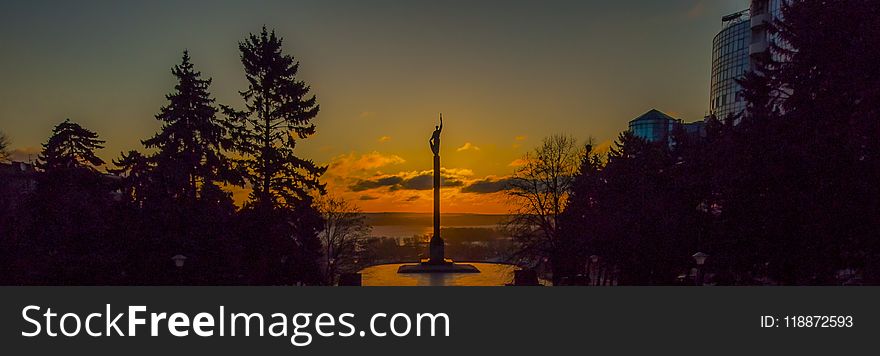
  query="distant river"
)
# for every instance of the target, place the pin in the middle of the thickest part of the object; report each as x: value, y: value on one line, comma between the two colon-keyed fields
x: 402, y: 225
x: 401, y: 231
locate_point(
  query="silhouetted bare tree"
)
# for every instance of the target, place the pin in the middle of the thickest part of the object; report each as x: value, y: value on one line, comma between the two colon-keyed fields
x: 4, y: 147
x: 539, y: 191
x: 344, y: 236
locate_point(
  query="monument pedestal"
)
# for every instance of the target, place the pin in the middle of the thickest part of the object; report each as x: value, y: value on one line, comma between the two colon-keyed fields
x: 437, y: 263
x: 437, y: 250
x: 445, y: 266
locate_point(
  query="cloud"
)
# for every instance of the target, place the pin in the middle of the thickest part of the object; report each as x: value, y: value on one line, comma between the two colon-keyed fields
x: 696, y: 10
x: 349, y: 164
x: 24, y: 154
x: 603, y: 147
x: 419, y: 182
x: 519, y: 139
x: 367, y: 184
x: 426, y: 181
x: 468, y: 146
x: 411, y: 190
x: 413, y: 180
x: 366, y: 114
x: 456, y: 172
x: 384, y: 139
x: 519, y: 162
x: 487, y: 185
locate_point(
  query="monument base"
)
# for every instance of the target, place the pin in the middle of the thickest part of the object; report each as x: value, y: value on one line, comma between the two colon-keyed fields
x: 444, y: 266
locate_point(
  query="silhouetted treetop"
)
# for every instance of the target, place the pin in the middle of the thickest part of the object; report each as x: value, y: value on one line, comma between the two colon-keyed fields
x: 70, y: 146
x: 135, y: 169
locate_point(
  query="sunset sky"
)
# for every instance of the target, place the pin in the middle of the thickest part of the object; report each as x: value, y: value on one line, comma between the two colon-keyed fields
x: 504, y: 74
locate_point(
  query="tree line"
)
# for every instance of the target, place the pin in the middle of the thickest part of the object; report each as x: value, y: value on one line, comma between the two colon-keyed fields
x: 786, y: 193
x: 163, y: 216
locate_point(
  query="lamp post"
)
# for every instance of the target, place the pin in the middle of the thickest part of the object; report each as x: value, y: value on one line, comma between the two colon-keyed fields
x: 330, y: 271
x: 178, y: 263
x: 594, y: 259
x: 178, y: 260
x: 700, y: 259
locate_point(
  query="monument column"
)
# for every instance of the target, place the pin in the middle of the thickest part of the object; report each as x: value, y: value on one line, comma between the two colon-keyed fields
x: 437, y: 253
x: 436, y: 261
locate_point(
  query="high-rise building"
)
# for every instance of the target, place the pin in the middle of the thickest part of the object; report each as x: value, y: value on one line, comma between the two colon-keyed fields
x: 763, y: 13
x: 730, y: 62
x: 744, y: 38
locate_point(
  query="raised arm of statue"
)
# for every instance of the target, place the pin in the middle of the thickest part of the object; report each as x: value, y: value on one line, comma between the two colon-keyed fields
x: 441, y: 121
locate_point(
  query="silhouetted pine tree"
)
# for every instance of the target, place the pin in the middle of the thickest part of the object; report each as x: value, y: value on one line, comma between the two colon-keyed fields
x: 191, y: 142
x: 134, y: 168
x: 71, y: 146
x: 798, y: 177
x: 280, y: 228
x: 830, y: 76
x: 646, y: 217
x: 66, y: 218
x: 580, y: 219
x: 178, y: 206
x: 279, y: 111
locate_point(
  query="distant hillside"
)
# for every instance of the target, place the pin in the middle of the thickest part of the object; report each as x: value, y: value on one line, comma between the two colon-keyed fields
x: 426, y: 219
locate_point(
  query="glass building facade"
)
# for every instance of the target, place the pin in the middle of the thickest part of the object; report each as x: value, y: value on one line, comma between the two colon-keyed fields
x: 730, y: 62
x: 653, y: 126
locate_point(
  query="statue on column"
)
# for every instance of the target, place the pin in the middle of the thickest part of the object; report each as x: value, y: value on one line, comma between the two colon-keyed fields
x: 437, y: 261
x: 434, y: 141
